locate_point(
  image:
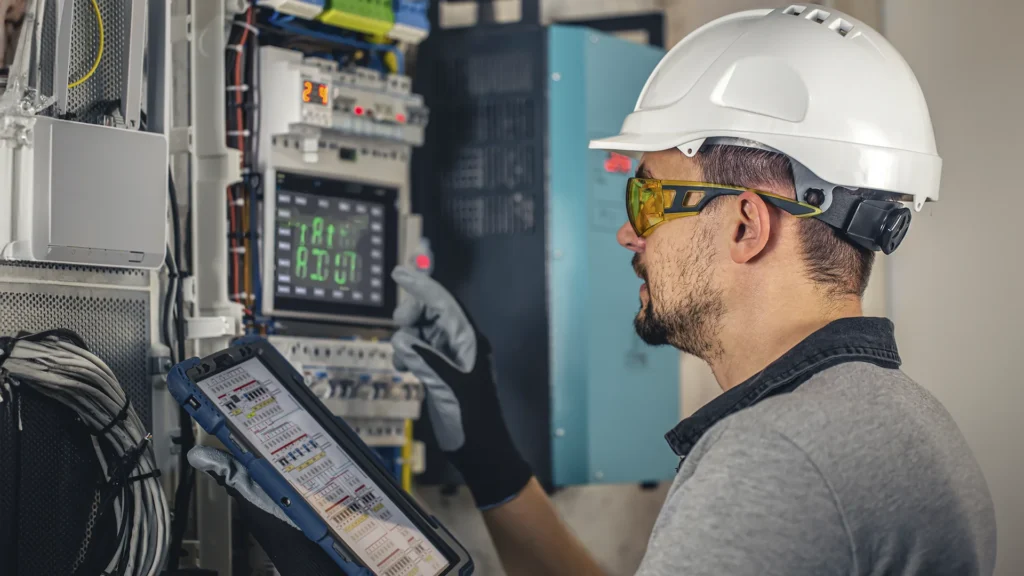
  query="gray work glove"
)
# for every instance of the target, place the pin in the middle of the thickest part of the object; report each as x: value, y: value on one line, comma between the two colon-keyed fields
x: 232, y: 475
x: 438, y: 343
x: 292, y: 553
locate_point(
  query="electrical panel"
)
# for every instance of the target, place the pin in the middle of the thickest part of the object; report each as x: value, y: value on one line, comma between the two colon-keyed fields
x: 520, y: 213
x: 338, y: 144
x: 316, y: 214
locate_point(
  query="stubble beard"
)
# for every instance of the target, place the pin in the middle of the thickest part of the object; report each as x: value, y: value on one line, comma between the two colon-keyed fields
x: 693, y: 327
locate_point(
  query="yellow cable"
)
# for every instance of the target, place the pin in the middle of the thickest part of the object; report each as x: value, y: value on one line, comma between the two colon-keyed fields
x: 99, y: 53
x: 407, y: 458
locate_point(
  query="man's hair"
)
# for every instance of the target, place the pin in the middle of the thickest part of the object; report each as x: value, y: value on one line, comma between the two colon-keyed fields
x: 832, y: 261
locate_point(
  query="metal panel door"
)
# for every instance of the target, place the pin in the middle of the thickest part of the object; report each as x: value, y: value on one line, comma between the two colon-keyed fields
x: 613, y: 397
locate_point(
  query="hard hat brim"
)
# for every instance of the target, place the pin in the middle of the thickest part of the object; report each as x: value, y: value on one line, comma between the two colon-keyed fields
x: 840, y: 163
x: 635, y: 144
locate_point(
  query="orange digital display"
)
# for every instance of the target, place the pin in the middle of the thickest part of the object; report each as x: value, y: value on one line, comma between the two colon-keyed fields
x: 315, y: 93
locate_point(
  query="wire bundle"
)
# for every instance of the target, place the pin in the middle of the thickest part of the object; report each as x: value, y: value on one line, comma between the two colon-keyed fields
x: 242, y: 114
x: 57, y: 365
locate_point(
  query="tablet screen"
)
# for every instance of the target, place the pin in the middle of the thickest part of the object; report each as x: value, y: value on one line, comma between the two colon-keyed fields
x: 354, y: 508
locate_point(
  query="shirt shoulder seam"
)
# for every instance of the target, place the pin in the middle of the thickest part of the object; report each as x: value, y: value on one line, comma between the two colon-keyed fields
x: 835, y: 499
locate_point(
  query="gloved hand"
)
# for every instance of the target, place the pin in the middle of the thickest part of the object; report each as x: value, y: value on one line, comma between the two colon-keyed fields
x: 292, y: 553
x: 439, y: 344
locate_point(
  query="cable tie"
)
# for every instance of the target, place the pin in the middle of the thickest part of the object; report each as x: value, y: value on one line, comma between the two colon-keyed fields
x: 247, y: 26
x: 235, y: 47
x: 154, y: 474
x: 119, y: 473
x: 244, y: 133
x: 120, y: 416
x: 237, y: 88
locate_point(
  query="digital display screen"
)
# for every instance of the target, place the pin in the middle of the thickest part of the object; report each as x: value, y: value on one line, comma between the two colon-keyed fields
x: 355, y: 509
x: 336, y: 243
x: 315, y: 93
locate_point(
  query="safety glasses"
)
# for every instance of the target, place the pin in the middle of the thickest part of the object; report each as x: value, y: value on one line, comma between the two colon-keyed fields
x: 650, y: 202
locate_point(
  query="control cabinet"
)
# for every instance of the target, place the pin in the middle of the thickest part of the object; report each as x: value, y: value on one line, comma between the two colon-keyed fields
x: 522, y: 217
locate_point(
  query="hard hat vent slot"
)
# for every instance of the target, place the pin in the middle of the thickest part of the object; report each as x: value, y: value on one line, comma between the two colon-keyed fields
x: 795, y: 10
x: 818, y: 16
x: 841, y: 26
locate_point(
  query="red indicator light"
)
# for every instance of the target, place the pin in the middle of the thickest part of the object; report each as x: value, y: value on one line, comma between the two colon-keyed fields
x: 618, y: 163
x: 358, y: 110
x: 400, y: 118
x: 423, y: 261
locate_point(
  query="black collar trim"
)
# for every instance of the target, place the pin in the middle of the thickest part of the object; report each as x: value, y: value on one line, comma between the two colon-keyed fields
x: 869, y: 340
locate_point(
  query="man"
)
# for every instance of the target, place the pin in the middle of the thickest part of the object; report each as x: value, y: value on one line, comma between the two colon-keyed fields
x: 773, y: 146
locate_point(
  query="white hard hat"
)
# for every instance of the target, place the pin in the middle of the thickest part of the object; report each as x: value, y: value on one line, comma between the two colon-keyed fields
x: 808, y: 81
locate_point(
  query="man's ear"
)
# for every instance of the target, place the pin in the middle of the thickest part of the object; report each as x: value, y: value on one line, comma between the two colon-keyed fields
x: 751, y: 224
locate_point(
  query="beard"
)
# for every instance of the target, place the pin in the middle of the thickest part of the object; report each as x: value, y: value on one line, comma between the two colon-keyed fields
x: 692, y: 326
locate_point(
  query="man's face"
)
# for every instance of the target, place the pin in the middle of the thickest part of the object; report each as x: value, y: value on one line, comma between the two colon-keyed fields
x: 680, y: 301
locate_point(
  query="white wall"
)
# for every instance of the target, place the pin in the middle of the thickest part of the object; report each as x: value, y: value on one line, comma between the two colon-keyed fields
x: 957, y: 284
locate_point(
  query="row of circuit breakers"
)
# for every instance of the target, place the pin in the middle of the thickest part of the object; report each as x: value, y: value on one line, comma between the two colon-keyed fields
x: 355, y: 379
x: 353, y: 101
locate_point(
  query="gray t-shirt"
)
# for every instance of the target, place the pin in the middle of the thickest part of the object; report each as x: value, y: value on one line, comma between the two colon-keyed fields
x: 857, y: 471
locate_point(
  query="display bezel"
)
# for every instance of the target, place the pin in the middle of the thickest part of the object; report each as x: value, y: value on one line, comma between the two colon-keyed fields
x: 314, y: 186
x: 347, y: 440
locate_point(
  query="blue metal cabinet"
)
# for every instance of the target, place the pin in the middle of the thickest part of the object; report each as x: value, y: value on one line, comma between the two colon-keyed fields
x: 612, y: 396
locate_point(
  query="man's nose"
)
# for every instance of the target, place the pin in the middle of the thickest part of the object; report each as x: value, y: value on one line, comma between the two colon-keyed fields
x: 629, y: 240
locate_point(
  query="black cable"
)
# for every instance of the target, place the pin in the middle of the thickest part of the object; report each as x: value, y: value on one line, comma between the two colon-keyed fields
x: 103, y: 107
x: 168, y: 313
x: 183, y: 493
x: 173, y: 193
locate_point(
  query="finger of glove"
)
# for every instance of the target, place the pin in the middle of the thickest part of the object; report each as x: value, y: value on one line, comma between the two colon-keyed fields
x: 443, y: 404
x: 409, y: 312
x: 456, y: 332
x: 222, y: 465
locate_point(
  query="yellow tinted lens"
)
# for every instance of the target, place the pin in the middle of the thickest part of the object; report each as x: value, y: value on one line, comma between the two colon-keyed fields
x: 645, y: 204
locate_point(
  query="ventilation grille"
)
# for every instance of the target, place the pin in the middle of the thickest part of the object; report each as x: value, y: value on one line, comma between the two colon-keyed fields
x: 48, y: 50
x: 488, y: 74
x: 819, y: 16
x: 478, y: 216
x: 114, y: 323
x: 493, y: 119
x: 68, y: 267
x: 490, y: 180
x: 504, y: 167
x: 49, y: 475
x: 105, y: 85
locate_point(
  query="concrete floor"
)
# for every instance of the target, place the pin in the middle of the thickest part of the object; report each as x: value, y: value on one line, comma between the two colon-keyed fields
x: 614, y: 522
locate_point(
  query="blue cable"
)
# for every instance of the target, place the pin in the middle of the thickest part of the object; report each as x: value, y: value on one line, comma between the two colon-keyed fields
x: 277, y: 17
x: 284, y: 24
